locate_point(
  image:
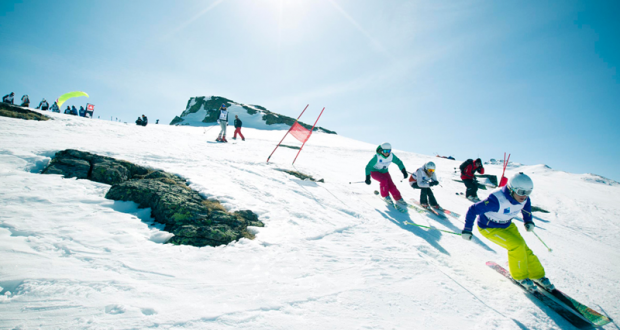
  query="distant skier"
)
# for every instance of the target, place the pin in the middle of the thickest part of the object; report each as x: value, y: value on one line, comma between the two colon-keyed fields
x: 377, y: 168
x: 495, y: 216
x: 145, y: 120
x: 139, y: 121
x: 468, y: 171
x: 238, y: 125
x: 43, y: 105
x: 25, y: 101
x: 68, y: 110
x: 8, y: 98
x: 55, y: 108
x: 424, y: 178
x: 82, y: 111
x: 223, y: 121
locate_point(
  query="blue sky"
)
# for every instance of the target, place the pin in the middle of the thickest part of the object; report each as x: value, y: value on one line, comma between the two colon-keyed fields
x: 537, y: 79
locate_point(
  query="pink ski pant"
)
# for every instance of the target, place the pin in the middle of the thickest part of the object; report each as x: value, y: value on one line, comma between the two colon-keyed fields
x: 386, y: 185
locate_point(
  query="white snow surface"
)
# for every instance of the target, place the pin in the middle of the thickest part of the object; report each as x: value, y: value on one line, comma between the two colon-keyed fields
x: 331, y: 255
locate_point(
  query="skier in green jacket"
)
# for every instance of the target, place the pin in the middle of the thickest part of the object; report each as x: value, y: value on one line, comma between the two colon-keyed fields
x: 377, y: 168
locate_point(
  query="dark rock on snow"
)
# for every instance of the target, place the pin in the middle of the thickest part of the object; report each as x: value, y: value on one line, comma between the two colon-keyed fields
x: 193, y: 219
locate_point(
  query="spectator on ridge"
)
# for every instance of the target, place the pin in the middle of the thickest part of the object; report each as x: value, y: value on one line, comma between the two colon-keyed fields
x: 8, y: 98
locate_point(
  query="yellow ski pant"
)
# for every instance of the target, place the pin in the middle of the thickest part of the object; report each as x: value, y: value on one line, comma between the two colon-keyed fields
x: 521, y: 260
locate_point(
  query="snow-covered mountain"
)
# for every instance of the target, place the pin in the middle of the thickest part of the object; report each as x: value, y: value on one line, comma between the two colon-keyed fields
x: 331, y: 255
x: 204, y: 111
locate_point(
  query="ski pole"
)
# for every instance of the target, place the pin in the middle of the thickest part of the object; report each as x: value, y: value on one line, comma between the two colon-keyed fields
x: 357, y: 182
x: 542, y: 241
x: 445, y: 231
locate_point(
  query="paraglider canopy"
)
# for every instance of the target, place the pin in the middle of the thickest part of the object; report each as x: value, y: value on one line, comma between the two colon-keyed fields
x: 65, y: 97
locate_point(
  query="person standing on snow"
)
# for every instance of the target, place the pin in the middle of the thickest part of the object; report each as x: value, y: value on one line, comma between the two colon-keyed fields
x: 43, y: 105
x: 424, y: 178
x: 377, y: 168
x: 223, y: 121
x: 238, y: 124
x: 55, y: 108
x: 495, y: 216
x: 468, y: 171
x: 25, y: 101
x: 8, y: 98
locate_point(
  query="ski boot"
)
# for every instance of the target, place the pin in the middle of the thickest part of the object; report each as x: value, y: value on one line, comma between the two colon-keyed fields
x: 437, y: 207
x: 224, y: 138
x: 527, y: 284
x: 219, y: 139
x: 424, y: 205
x: 234, y: 138
x: 545, y: 283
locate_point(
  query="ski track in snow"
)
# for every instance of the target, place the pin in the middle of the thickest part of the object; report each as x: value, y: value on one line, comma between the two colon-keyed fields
x: 332, y: 255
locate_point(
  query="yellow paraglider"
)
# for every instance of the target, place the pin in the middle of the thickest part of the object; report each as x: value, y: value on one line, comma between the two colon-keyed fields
x: 65, y: 97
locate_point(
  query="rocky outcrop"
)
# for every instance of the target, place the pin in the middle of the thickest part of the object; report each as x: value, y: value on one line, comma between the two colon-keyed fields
x: 301, y: 175
x: 193, y: 219
x: 14, y: 111
x: 210, y: 106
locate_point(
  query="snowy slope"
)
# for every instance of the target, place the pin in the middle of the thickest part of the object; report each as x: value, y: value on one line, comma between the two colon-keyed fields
x: 331, y: 255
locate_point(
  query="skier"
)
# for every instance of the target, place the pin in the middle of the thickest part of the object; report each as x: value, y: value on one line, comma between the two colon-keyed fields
x: 139, y: 121
x: 145, y: 120
x: 495, y: 216
x: 68, y: 111
x: 377, y: 168
x: 223, y: 121
x: 25, y: 101
x: 424, y: 178
x: 238, y: 124
x: 468, y: 169
x: 43, y: 105
x: 82, y: 111
x: 8, y: 98
x: 55, y: 108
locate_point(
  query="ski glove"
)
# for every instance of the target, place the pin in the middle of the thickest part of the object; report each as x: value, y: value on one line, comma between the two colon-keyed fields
x: 367, y: 180
x: 405, y: 173
x: 433, y: 183
x: 466, y: 235
x: 529, y: 226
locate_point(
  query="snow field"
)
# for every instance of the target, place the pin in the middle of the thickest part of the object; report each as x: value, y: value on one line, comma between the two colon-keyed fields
x: 331, y: 255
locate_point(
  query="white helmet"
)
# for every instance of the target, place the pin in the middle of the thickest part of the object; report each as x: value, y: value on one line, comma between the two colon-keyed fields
x: 385, y: 149
x: 521, y: 184
x: 429, y: 166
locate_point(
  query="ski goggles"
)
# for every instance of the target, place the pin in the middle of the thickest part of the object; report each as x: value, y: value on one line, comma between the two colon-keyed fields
x: 387, y: 151
x: 522, y: 192
x: 430, y: 170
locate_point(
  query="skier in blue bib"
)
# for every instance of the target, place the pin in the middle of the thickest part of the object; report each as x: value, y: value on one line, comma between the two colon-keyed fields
x: 495, y: 216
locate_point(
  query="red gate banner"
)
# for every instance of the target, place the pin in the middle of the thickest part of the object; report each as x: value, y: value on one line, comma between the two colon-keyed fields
x: 300, y: 133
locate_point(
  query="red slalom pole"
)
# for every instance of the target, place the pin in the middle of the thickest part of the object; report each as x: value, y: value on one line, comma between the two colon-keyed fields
x: 274, y: 150
x: 302, y: 146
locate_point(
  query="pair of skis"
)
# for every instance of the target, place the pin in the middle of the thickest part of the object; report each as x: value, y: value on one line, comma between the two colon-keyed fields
x: 440, y: 212
x: 396, y: 206
x: 578, y: 314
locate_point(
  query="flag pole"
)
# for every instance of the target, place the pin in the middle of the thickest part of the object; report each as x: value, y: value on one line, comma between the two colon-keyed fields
x: 302, y: 146
x: 274, y: 150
